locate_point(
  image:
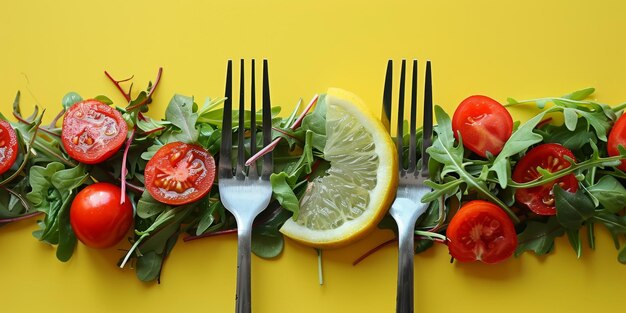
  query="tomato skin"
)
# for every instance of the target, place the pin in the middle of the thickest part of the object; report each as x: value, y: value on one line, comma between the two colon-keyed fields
x: 617, y: 137
x: 92, y: 131
x: 97, y: 217
x: 180, y: 173
x: 484, y: 125
x: 548, y: 156
x: 8, y: 146
x: 481, y: 231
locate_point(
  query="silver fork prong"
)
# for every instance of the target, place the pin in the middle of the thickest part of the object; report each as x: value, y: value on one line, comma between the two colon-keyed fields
x: 387, y: 94
x: 413, y: 124
x: 252, y: 171
x: 225, y: 166
x: 427, y: 128
x: 241, y: 129
x: 268, y: 164
x: 400, y: 114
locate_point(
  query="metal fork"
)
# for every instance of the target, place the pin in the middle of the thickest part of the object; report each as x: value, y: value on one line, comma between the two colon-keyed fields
x: 408, y: 207
x: 245, y: 196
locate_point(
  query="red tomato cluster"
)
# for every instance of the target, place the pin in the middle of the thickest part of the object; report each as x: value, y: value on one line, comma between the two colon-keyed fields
x: 92, y: 132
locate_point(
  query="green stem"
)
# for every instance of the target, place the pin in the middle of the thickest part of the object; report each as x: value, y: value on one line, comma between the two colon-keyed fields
x: 320, y: 272
x: 133, y: 248
x: 38, y: 145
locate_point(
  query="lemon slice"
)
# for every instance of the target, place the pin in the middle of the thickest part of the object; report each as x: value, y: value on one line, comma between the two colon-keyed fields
x: 360, y: 185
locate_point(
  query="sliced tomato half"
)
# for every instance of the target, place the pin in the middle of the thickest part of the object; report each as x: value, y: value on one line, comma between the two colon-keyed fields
x: 180, y: 173
x: 8, y: 146
x: 481, y: 231
x: 550, y: 157
x: 92, y: 131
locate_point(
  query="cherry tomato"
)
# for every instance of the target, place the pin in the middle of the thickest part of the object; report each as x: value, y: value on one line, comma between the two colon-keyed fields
x: 92, y: 131
x: 617, y: 137
x: 180, y: 173
x: 8, y: 146
x: 481, y: 231
x: 548, y: 156
x: 484, y: 124
x: 97, y: 217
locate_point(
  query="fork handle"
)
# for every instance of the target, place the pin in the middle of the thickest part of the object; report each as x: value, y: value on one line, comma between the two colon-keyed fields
x: 244, y: 242
x: 404, y: 291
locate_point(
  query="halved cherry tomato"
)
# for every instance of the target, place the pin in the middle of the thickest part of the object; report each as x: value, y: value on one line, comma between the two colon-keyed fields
x: 8, y: 146
x: 617, y: 137
x: 92, y: 131
x: 180, y: 173
x: 481, y: 231
x: 484, y: 124
x: 548, y: 156
x: 97, y: 217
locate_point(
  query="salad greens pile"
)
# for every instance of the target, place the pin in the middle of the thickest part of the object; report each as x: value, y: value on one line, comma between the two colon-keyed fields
x: 44, y: 180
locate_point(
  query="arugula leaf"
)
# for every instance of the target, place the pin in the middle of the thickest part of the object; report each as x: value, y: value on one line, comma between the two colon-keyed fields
x: 614, y: 223
x: 610, y: 193
x: 539, y: 237
x: 572, y: 209
x: 284, y: 194
x: 581, y: 94
x: 180, y: 113
x: 520, y: 140
x: 573, y: 236
x: 444, y: 151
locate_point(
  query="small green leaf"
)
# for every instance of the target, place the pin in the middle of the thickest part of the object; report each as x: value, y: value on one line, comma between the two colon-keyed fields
x: 573, y: 236
x: 207, y: 218
x: 571, y: 118
x: 610, y: 193
x: 180, y: 113
x: 284, y: 194
x: 148, y: 207
x: 520, y: 140
x: 539, y: 237
x: 580, y: 94
x: 69, y: 179
x: 67, y: 238
x: 621, y: 257
x: 70, y: 99
x: 572, y: 209
x: 104, y: 99
x: 267, y: 243
x: 149, y: 266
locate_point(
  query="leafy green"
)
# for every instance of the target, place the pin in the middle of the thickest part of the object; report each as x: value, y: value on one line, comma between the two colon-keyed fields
x: 610, y: 193
x: 539, y: 236
x: 572, y: 209
x: 180, y: 113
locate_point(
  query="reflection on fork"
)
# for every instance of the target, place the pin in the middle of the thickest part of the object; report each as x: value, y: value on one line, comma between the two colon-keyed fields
x: 408, y: 207
x: 244, y: 195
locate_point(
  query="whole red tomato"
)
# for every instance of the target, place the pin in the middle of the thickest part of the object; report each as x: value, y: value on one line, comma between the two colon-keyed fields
x: 8, y: 146
x: 617, y: 137
x: 484, y: 125
x: 481, y: 231
x: 97, y: 217
x: 549, y: 156
x: 92, y: 131
x: 180, y: 173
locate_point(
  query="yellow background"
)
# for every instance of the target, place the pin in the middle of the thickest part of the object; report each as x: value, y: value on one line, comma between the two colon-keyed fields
x: 521, y: 49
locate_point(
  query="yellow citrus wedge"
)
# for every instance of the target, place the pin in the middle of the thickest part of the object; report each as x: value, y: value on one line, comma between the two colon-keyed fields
x: 358, y: 188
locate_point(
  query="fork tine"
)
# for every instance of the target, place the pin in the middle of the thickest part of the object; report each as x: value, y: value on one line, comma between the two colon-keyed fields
x: 413, y: 125
x: 252, y: 171
x: 268, y: 164
x: 386, y: 113
x: 400, y: 113
x: 225, y: 167
x: 241, y: 126
x: 427, y: 128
